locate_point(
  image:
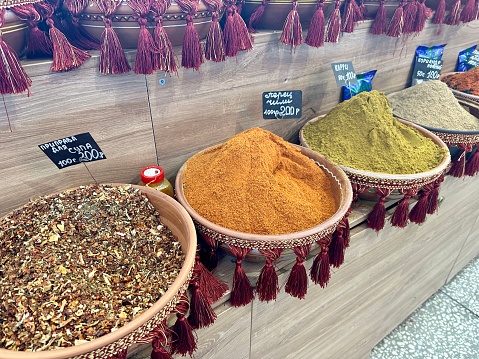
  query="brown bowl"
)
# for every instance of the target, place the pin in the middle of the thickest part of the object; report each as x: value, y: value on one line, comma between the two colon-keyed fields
x: 15, y: 32
x: 126, y: 26
x: 342, y: 192
x: 395, y: 181
x: 174, y: 216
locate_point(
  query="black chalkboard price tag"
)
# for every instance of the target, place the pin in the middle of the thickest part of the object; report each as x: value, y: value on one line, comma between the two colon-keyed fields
x: 344, y: 73
x: 473, y: 60
x: 427, y: 69
x: 73, y: 150
x: 282, y: 104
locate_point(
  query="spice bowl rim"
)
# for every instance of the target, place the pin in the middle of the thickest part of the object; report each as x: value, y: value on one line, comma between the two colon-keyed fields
x: 340, y: 177
x: 181, y: 280
x: 441, y: 167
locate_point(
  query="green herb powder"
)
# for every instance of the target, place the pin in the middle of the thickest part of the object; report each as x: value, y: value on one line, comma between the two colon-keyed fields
x: 361, y: 133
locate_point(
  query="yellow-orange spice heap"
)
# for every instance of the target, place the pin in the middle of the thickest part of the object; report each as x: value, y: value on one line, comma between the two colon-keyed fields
x: 256, y: 182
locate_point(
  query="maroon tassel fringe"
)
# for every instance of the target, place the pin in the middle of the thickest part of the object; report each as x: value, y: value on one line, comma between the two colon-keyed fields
x: 396, y: 24
x: 320, y: 271
x: 236, y: 34
x: 317, y: 27
x: 421, y: 16
x: 433, y: 198
x: 377, y: 216
x: 256, y: 16
x: 297, y: 284
x: 380, y: 25
x: 191, y: 54
x: 467, y: 13
x: 120, y: 355
x: 165, y: 57
x: 112, y: 58
x: 472, y: 165
x: 410, y: 12
x: 458, y: 166
x: 201, y: 314
x: 439, y: 14
x: 13, y: 78
x: 158, y: 351
x: 401, y: 213
x: 215, y: 43
x: 453, y: 17
x: 184, y: 341
x: 337, y: 247
x: 212, y: 288
x: 242, y: 292
x: 419, y: 211
x: 267, y: 284
x: 351, y: 16
x: 210, y: 259
x: 292, y: 34
x: 334, y: 24
x: 80, y: 38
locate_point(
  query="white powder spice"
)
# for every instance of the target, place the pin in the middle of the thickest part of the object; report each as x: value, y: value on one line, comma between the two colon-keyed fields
x: 432, y: 103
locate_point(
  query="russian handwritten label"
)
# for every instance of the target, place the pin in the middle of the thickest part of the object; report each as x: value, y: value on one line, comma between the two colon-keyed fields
x: 282, y: 104
x: 73, y: 150
x: 344, y: 73
x: 427, y: 69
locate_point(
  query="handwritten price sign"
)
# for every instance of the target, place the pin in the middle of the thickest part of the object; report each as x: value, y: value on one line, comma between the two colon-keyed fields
x: 344, y: 73
x: 427, y: 69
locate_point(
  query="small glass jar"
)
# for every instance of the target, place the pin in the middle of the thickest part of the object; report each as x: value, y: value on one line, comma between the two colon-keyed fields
x: 154, y: 177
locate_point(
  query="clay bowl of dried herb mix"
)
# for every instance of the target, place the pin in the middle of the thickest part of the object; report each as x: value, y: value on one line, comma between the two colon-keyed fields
x: 91, y: 271
x: 381, y: 155
x: 258, y: 191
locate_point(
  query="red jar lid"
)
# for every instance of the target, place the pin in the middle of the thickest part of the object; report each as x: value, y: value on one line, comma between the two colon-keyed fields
x: 152, y: 174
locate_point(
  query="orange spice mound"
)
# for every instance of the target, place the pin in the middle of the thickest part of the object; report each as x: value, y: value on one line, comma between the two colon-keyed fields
x: 256, y: 182
x: 467, y: 82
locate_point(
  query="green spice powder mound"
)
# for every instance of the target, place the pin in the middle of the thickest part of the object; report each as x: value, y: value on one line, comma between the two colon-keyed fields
x: 361, y: 133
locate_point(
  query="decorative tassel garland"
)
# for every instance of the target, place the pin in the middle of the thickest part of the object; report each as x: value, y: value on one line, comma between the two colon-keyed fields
x: 363, y: 11
x: 191, y: 54
x: 439, y: 14
x: 401, y: 213
x: 13, y: 78
x: 419, y: 211
x: 256, y: 16
x: 112, y: 57
x: 212, y: 288
x: 410, y: 12
x: 184, y: 341
x: 334, y: 24
x: 267, y: 285
x: 242, y: 292
x: 320, y: 271
x: 472, y: 165
x: 453, y: 17
x: 201, y: 314
x: 467, y: 13
x: 377, y: 216
x: 421, y: 17
x: 215, y: 43
x: 165, y: 57
x: 337, y: 247
x: 159, y: 342
x: 297, y: 284
x: 433, y: 198
x: 351, y: 16
x: 458, y: 166
x: 379, y: 25
x: 210, y: 260
x: 317, y: 27
x: 158, y: 351
x: 235, y: 32
x: 396, y: 24
x: 292, y: 34
x: 80, y: 38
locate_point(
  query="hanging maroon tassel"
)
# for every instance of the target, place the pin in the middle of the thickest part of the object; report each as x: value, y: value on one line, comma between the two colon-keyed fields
x: 379, y: 25
x: 112, y: 57
x: 320, y: 272
x: 419, y: 211
x: 439, y: 13
x: 334, y: 24
x: 242, y: 292
x: 401, y: 213
x: 158, y: 351
x: 458, y: 166
x: 165, y: 57
x: 159, y: 342
x: 351, y: 16
x: 472, y: 165
x: 39, y: 44
x: 467, y: 13
x: 297, y: 284
x: 236, y: 33
x: 191, y: 54
x: 215, y: 43
x: 210, y: 259
x: 476, y: 9
x: 337, y: 247
x: 317, y: 27
x: 433, y: 198
x: 201, y: 314
x: 377, y: 216
x: 120, y: 355
x: 184, y: 341
x: 396, y: 24
x: 13, y: 78
x: 267, y: 284
x: 79, y: 37
x: 256, y: 16
x: 453, y: 17
x: 292, y: 34
x: 410, y: 12
x: 363, y: 11
x: 421, y: 16
x: 212, y: 288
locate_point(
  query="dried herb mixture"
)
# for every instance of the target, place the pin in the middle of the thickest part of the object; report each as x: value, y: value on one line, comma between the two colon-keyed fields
x: 80, y: 264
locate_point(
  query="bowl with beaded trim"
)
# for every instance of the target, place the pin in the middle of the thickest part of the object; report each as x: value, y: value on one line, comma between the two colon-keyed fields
x: 147, y: 325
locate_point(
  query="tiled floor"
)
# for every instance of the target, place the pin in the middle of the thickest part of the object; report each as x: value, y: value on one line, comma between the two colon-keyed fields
x: 445, y: 326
